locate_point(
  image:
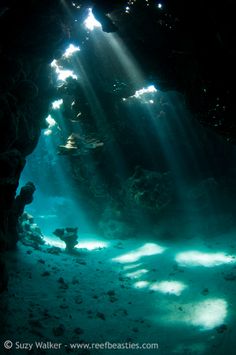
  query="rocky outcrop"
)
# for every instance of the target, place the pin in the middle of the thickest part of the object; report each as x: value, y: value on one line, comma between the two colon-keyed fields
x: 4, y: 277
x: 28, y: 232
x: 24, y: 198
x: 68, y: 236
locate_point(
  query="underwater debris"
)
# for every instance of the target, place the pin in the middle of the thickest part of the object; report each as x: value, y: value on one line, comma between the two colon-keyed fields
x: 45, y: 273
x: 35, y: 323
x: 75, y: 281
x: 59, y: 331
x: 222, y: 328
x: 54, y: 250
x: 230, y: 276
x: 112, y: 296
x: 205, y: 292
x: 77, y: 145
x: 63, y: 284
x: 78, y: 299
x: 135, y: 330
x: 101, y: 315
x: 68, y: 236
x: 78, y: 331
x: 41, y: 261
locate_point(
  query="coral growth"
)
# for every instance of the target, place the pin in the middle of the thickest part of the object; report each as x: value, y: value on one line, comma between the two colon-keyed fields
x: 29, y: 232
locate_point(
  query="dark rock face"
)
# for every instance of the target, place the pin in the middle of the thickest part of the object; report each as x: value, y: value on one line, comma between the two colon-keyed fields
x: 150, y: 189
x: 4, y: 276
x: 12, y: 163
x: 30, y: 32
x: 189, y: 48
x: 25, y: 197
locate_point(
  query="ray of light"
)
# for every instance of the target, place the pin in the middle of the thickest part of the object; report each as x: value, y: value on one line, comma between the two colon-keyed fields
x: 62, y: 74
x: 50, y: 120
x: 57, y: 104
x: 70, y: 50
x: 91, y: 23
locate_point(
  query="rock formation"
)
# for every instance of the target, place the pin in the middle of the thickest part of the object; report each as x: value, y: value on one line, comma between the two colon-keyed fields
x: 68, y: 236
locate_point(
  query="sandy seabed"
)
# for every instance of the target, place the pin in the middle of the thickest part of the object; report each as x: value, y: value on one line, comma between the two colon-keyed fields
x: 177, y: 298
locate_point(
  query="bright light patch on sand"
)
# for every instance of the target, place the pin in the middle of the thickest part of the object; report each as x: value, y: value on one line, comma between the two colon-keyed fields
x: 90, y: 22
x: 209, y: 314
x: 205, y: 315
x: 147, y: 249
x: 196, y: 258
x: 62, y: 74
x: 91, y: 245
x: 70, y: 51
x: 136, y: 274
x: 171, y: 287
x: 57, y: 104
x: 54, y: 243
x: 132, y: 266
x: 141, y: 284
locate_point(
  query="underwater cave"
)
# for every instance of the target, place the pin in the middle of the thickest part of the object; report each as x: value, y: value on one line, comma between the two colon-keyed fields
x: 117, y: 177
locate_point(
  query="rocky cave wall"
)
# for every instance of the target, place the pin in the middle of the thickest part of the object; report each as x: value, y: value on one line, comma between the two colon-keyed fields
x: 31, y: 32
